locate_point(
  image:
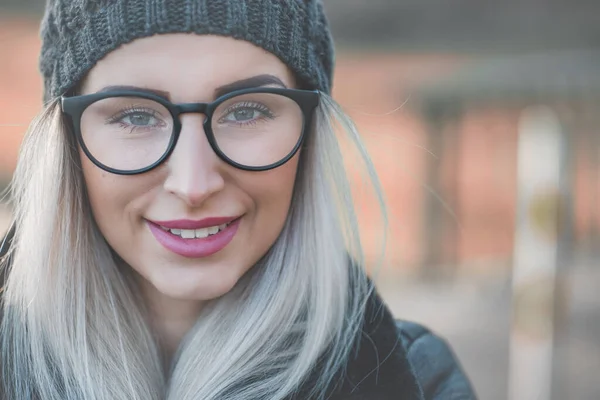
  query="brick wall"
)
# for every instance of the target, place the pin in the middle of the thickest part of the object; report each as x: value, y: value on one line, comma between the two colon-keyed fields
x: 372, y: 87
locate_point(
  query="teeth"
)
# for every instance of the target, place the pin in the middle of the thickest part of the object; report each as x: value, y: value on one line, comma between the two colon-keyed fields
x: 196, y: 233
x: 202, y: 233
x: 187, y: 234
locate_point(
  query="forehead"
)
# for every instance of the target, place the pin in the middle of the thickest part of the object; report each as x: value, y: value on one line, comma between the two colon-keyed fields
x: 188, y: 66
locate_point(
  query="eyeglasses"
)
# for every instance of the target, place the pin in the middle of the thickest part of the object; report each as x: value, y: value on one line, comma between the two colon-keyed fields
x: 130, y: 132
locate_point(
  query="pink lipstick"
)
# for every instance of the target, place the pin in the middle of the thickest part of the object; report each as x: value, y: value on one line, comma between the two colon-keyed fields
x: 195, y: 239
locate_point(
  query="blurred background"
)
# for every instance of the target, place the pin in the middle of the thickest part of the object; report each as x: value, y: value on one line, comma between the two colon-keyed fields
x: 483, y: 121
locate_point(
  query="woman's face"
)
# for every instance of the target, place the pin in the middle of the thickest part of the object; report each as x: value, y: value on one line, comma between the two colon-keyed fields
x: 193, y: 185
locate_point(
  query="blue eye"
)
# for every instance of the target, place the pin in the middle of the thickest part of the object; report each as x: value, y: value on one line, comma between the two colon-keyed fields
x: 242, y: 115
x: 246, y: 113
x: 140, y: 119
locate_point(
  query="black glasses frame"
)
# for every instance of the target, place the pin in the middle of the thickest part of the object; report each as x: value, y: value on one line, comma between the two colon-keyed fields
x: 75, y: 106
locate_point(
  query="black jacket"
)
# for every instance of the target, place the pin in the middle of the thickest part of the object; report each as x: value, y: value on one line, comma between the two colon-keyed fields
x: 394, y: 360
x: 399, y: 360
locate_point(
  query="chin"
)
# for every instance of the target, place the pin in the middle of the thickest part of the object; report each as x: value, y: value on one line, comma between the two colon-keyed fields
x: 200, y: 290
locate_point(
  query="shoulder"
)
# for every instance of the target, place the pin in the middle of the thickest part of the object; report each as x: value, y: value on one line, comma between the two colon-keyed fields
x: 400, y: 359
x: 434, y: 363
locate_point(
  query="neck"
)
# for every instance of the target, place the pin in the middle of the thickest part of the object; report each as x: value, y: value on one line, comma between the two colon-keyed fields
x: 171, y: 319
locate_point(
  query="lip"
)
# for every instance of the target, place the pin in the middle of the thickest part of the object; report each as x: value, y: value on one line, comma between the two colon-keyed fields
x: 198, y: 247
x: 193, y: 224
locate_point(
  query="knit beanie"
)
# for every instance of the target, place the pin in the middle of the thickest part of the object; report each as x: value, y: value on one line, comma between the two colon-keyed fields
x: 76, y: 34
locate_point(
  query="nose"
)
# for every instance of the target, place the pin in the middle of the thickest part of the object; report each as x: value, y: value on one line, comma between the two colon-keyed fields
x: 194, y: 168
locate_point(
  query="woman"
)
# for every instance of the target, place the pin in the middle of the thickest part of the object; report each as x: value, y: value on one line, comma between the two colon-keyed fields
x: 182, y: 218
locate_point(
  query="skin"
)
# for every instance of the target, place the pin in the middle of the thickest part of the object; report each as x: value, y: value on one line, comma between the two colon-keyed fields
x: 193, y: 183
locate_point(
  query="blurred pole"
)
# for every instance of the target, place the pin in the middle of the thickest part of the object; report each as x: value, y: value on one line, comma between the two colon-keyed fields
x: 433, y: 237
x: 540, y: 196
x: 440, y: 230
x: 453, y: 190
x: 573, y: 120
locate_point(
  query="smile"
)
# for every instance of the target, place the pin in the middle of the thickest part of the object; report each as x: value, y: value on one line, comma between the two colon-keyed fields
x: 193, y: 239
x: 196, y: 233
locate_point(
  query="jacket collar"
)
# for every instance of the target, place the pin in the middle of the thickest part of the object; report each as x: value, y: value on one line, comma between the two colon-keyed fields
x: 378, y: 368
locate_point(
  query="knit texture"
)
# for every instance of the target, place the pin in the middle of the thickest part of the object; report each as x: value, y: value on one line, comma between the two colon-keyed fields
x: 76, y: 34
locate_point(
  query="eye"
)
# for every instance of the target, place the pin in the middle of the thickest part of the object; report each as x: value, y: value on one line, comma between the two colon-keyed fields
x: 141, y: 119
x: 138, y: 118
x: 246, y: 112
x: 242, y: 115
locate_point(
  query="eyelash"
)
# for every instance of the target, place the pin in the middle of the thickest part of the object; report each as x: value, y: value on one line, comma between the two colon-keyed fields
x: 252, y: 105
x: 130, y: 111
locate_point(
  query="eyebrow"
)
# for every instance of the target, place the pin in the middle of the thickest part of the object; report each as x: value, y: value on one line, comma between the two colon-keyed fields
x: 117, y: 88
x: 249, y: 83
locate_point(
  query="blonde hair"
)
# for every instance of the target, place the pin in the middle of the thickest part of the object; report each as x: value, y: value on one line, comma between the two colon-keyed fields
x: 74, y: 324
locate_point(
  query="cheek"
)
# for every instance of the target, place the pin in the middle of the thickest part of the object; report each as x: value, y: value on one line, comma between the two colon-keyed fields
x: 112, y: 199
x: 271, y: 192
x: 103, y: 191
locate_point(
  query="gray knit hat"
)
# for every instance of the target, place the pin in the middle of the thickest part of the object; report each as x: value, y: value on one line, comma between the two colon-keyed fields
x: 78, y: 33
